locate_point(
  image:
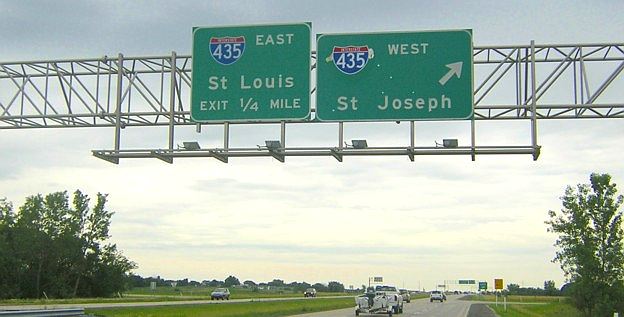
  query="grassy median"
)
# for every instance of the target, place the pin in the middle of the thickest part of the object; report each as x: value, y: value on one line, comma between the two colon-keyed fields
x: 236, y: 293
x: 167, y: 294
x: 224, y: 309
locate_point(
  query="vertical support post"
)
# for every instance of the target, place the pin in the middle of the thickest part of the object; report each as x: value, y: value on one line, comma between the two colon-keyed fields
x: 412, y: 141
x: 118, y: 102
x: 581, y: 74
x: 172, y: 99
x: 505, y: 302
x: 341, y: 136
x: 337, y: 152
x: 226, y: 136
x: 283, y: 134
x: 412, y: 134
x: 473, y: 138
x: 533, y: 105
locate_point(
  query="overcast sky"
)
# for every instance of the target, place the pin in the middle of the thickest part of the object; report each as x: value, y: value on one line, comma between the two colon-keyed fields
x: 314, y: 219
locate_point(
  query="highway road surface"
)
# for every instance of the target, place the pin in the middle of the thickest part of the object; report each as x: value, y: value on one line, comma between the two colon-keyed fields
x: 418, y: 307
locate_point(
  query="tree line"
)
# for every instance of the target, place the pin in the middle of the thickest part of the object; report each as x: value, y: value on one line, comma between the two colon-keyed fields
x: 548, y: 290
x: 232, y: 281
x: 55, y: 248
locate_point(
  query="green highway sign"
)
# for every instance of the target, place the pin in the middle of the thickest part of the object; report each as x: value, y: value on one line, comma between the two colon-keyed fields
x: 395, y: 76
x: 483, y: 286
x: 251, y: 73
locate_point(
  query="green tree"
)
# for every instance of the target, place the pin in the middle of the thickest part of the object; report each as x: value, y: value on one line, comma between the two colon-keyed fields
x: 231, y: 281
x: 61, y: 249
x: 334, y: 286
x: 9, y: 266
x: 320, y: 287
x: 250, y: 283
x: 549, y: 288
x: 513, y: 289
x: 276, y: 282
x: 34, y: 229
x: 87, y: 229
x: 590, y: 246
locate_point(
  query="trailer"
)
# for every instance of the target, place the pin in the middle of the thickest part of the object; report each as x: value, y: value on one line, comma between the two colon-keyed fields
x: 373, y: 303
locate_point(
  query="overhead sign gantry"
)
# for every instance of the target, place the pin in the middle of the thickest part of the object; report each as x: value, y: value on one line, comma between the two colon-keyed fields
x: 135, y: 92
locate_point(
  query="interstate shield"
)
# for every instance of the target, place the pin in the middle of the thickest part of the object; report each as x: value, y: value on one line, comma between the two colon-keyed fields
x: 350, y: 59
x: 227, y: 50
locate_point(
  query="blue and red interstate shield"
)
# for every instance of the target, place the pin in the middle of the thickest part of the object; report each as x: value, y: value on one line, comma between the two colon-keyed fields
x: 227, y: 50
x: 350, y: 59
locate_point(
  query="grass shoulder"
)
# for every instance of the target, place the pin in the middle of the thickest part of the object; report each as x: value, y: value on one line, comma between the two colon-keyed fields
x: 552, y: 309
x: 516, y: 298
x: 235, y: 293
x: 535, y: 306
x: 256, y: 309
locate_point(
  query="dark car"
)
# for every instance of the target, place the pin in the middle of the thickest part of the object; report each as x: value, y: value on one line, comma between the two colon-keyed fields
x: 310, y: 292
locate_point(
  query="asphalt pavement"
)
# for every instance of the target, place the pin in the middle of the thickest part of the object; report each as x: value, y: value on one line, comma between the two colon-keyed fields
x: 453, y: 307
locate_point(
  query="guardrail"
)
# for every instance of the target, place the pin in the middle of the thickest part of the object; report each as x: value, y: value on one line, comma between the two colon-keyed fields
x: 43, y: 312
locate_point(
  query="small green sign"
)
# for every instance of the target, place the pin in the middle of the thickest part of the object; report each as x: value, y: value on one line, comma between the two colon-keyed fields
x: 251, y: 73
x: 483, y: 286
x: 395, y: 76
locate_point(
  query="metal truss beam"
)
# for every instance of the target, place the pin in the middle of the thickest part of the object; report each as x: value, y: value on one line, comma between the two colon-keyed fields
x: 155, y: 91
x: 223, y: 154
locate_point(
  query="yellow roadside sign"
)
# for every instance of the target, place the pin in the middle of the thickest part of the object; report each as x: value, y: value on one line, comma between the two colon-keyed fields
x: 498, y: 283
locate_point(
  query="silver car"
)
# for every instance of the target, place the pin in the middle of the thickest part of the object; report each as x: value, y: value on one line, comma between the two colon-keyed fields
x: 220, y: 293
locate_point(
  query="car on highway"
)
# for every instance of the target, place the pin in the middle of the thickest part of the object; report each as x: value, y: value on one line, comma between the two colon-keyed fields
x: 220, y: 293
x: 406, y: 295
x: 436, y: 295
x: 310, y: 292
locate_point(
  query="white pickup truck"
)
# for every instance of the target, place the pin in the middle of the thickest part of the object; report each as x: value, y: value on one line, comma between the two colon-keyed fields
x: 395, y: 300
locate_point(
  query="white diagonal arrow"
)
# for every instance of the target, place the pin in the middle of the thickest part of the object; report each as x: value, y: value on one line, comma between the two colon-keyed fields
x: 454, y: 69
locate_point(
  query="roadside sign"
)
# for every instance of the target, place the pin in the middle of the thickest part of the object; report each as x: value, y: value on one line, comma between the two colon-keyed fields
x: 395, y: 76
x: 498, y: 283
x: 378, y: 279
x: 482, y: 286
x: 251, y: 73
x: 466, y: 282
